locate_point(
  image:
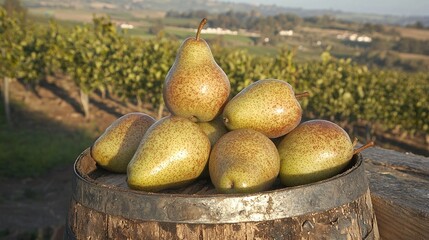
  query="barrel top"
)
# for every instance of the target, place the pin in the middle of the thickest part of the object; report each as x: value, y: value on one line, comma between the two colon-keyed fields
x: 199, y: 203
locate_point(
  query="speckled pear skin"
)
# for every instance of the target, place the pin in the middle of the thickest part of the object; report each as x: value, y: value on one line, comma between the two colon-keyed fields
x: 214, y: 129
x: 268, y: 106
x: 172, y: 154
x: 114, y: 148
x: 313, y: 151
x: 243, y: 161
x: 196, y: 87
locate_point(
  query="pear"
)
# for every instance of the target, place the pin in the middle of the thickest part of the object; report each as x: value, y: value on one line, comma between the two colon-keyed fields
x: 243, y: 161
x: 269, y: 106
x: 313, y: 151
x: 114, y: 148
x: 213, y: 129
x: 172, y: 153
x: 195, y: 86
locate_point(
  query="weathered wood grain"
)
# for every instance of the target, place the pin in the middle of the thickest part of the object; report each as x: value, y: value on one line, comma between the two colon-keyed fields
x: 399, y: 185
x: 353, y: 220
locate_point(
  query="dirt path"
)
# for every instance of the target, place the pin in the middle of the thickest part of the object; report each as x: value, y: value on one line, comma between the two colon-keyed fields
x: 34, y: 207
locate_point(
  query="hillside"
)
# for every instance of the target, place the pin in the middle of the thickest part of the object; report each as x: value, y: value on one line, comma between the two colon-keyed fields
x: 223, y: 6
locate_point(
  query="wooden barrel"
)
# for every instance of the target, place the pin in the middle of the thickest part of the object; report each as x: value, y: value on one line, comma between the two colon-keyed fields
x: 103, y: 207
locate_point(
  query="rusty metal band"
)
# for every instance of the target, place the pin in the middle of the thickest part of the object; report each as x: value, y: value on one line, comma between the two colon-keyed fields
x: 223, y: 208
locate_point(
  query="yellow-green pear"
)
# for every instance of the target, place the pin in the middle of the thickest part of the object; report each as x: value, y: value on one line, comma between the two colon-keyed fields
x: 213, y: 129
x: 196, y: 87
x: 313, y: 151
x: 114, y: 148
x: 269, y: 106
x: 243, y: 161
x: 172, y: 153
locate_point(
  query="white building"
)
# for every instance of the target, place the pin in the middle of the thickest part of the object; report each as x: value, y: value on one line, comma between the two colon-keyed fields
x: 354, y: 37
x: 286, y: 33
x: 126, y: 26
x: 219, y: 31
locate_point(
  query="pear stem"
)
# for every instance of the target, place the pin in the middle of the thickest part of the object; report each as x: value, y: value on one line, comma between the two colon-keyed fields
x: 302, y: 95
x: 355, y: 141
x: 200, y: 27
x: 368, y: 145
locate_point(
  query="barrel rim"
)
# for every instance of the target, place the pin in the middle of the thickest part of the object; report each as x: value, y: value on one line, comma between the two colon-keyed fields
x: 221, y: 208
x: 358, y: 163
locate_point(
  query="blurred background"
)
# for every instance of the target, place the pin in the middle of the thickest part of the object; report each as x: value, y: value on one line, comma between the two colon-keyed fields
x: 70, y: 68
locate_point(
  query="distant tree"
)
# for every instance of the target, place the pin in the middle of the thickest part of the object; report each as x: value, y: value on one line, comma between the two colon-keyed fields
x: 189, y: 14
x: 371, y: 28
x: 199, y: 14
x: 173, y: 14
x: 418, y: 25
x: 379, y: 44
x: 411, y: 45
x: 156, y: 28
x: 14, y: 6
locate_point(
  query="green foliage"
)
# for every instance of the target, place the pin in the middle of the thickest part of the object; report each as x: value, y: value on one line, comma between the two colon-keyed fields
x: 33, y: 64
x: 143, y: 67
x: 242, y: 68
x: 31, y: 55
x: 12, y: 40
x: 90, y: 54
x: 342, y: 91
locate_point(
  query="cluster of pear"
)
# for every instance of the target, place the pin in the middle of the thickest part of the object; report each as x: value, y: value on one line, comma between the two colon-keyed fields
x: 229, y: 140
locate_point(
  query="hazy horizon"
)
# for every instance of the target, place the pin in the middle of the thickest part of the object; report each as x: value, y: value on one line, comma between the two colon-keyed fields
x: 393, y: 7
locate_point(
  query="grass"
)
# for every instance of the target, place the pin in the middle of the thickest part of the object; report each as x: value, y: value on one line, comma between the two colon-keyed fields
x: 29, y: 150
x: 141, y: 33
x: 180, y: 33
x: 269, y: 51
x: 181, y: 21
x: 236, y: 38
x: 29, y: 153
x: 419, y: 34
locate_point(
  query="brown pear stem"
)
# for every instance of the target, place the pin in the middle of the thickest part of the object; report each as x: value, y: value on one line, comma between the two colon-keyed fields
x: 302, y: 95
x: 225, y: 120
x: 355, y: 141
x: 200, y: 27
x: 368, y: 145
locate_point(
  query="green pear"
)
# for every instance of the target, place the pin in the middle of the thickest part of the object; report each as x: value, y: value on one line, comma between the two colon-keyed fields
x: 243, y: 161
x: 195, y: 86
x: 172, y: 153
x: 213, y: 129
x: 313, y: 151
x: 269, y: 106
x: 114, y: 148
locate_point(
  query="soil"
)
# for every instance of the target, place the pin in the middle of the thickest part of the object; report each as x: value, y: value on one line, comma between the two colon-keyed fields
x: 36, y: 208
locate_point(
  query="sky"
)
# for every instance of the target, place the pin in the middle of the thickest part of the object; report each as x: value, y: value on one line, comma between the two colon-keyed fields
x: 384, y: 7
